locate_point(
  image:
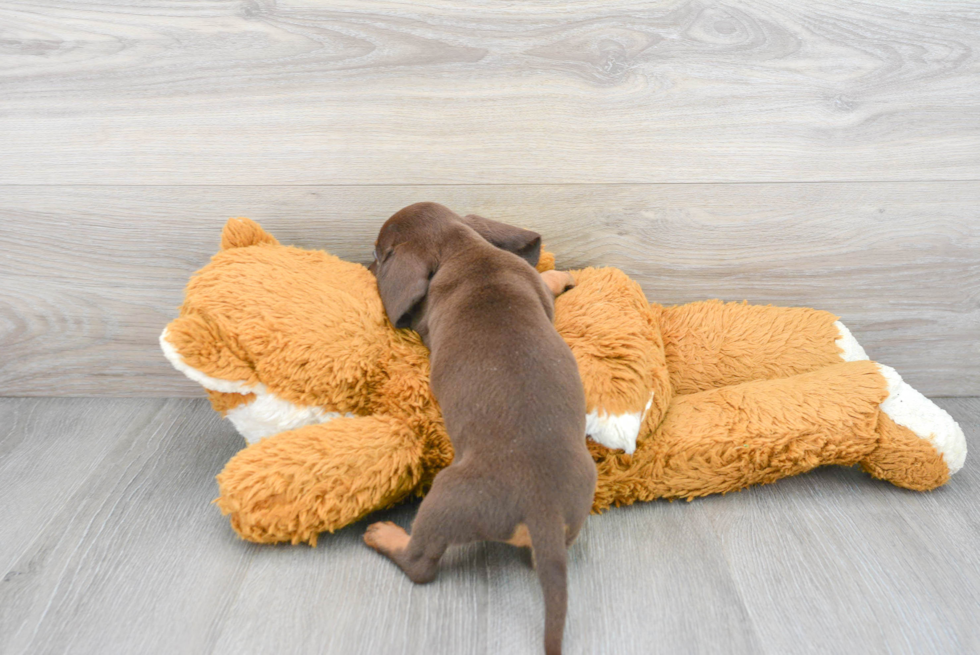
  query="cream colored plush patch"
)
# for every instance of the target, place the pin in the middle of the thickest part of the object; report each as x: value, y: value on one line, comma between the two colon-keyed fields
x: 263, y: 417
x: 268, y: 415
x: 853, y: 352
x: 911, y: 409
x: 616, y: 431
x: 206, y: 381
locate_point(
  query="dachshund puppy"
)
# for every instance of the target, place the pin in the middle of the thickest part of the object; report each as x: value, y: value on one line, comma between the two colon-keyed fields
x: 509, y: 390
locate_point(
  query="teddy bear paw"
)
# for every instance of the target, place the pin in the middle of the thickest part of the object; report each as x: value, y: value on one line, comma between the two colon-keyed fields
x: 616, y: 431
x: 909, y: 408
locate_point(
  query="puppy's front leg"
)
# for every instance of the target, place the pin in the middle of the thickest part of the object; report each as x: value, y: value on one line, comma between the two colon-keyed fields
x: 558, y: 281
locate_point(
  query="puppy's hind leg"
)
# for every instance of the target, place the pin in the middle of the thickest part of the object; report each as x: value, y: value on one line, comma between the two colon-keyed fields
x: 448, y: 515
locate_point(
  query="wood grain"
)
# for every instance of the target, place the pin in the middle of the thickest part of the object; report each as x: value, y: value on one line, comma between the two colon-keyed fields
x: 47, y: 451
x: 90, y: 275
x: 135, y: 559
x: 129, y: 556
x: 384, y: 92
x: 834, y: 559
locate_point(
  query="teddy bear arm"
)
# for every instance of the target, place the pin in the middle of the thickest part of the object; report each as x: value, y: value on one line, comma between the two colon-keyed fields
x: 714, y: 344
x: 614, y: 336
x: 196, y: 346
x: 294, y: 485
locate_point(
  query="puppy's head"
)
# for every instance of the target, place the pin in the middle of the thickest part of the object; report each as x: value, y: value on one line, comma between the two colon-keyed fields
x: 412, y: 243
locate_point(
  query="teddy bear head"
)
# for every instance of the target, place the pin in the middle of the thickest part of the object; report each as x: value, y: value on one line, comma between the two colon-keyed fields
x: 283, y: 337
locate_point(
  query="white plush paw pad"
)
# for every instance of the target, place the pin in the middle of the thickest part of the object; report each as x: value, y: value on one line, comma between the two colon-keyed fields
x: 266, y: 415
x: 911, y: 409
x: 616, y: 431
x: 203, y: 379
x: 853, y: 352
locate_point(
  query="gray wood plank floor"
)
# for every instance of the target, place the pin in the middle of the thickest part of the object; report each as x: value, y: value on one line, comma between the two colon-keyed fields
x: 108, y: 544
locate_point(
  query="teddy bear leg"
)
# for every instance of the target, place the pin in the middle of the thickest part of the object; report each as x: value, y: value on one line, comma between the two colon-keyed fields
x: 294, y: 485
x: 753, y: 433
x: 713, y: 344
x: 614, y: 334
x: 919, y: 443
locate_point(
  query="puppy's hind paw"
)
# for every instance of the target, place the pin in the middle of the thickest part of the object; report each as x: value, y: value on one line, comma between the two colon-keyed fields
x: 386, y: 537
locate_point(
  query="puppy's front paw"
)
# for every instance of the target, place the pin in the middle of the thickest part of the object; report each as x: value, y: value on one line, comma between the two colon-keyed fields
x: 385, y: 537
x: 558, y: 281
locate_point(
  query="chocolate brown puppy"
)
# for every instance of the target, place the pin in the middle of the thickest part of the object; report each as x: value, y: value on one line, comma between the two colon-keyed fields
x: 509, y: 391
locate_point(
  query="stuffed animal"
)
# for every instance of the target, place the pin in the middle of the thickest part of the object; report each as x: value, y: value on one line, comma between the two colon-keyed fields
x: 293, y: 346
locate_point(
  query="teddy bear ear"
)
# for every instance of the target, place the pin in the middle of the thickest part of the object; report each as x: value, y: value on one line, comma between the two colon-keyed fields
x: 546, y: 262
x: 241, y: 232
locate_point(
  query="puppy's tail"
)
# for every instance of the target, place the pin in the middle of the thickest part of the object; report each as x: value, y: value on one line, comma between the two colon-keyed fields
x: 550, y: 557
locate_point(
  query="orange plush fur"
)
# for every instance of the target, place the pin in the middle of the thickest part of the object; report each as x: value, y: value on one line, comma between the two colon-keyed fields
x: 294, y: 346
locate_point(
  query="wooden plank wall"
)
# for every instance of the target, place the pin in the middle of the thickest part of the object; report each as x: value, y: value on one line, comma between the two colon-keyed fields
x: 823, y: 154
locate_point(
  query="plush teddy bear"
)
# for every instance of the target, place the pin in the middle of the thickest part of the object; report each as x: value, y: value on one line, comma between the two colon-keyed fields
x: 293, y: 346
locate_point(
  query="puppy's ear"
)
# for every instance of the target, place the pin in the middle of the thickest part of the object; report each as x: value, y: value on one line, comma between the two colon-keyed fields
x: 403, y: 281
x: 523, y: 243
